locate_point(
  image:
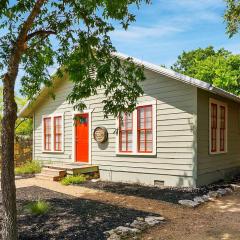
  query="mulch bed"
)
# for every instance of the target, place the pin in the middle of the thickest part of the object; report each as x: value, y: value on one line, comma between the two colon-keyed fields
x: 69, y: 217
x: 167, y: 194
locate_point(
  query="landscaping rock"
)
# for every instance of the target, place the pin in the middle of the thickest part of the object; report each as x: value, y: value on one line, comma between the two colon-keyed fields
x: 213, y: 194
x: 188, y: 203
x: 235, y: 187
x: 206, y: 198
x: 152, y: 221
x: 132, y: 230
x: 222, y: 191
x: 126, y: 231
x: 199, y: 200
x: 95, y: 180
x: 141, y: 225
x: 229, y: 190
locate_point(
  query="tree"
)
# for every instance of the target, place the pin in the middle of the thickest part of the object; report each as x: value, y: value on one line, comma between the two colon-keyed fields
x: 74, y: 34
x: 232, y: 17
x: 23, y: 127
x: 218, y: 67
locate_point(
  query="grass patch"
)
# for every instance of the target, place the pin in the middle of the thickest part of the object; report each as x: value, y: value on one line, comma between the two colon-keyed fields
x: 73, y: 180
x: 29, y: 168
x: 39, y: 207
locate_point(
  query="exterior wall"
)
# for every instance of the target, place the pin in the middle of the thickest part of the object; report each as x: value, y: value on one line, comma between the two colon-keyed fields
x: 175, y: 161
x: 213, y: 167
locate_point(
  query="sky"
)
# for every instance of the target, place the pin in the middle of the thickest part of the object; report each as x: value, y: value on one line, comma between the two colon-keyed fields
x: 166, y: 28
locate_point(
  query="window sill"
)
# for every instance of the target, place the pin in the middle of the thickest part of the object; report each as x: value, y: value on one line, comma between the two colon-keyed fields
x: 52, y: 151
x: 136, y: 154
x: 217, y: 153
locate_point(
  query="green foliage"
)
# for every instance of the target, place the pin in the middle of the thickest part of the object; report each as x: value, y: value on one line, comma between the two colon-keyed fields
x: 29, y: 168
x: 232, y: 17
x: 73, y: 34
x: 218, y: 67
x: 73, y: 180
x: 39, y: 207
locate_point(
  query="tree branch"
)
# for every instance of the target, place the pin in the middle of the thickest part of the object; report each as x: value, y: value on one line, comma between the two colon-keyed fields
x: 40, y: 33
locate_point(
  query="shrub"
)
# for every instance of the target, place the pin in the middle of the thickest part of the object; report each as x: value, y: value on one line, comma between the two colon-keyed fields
x: 73, y: 180
x: 29, y: 168
x: 39, y: 207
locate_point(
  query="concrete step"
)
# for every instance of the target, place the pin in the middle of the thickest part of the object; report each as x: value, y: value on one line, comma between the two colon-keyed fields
x: 44, y: 176
x: 53, y: 172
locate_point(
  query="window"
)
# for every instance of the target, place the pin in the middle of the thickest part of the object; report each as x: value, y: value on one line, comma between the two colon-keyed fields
x: 144, y: 129
x: 222, y: 127
x: 214, y: 127
x: 218, y: 126
x: 47, y: 134
x: 53, y: 133
x: 125, y: 133
x: 137, y: 131
x: 58, y: 133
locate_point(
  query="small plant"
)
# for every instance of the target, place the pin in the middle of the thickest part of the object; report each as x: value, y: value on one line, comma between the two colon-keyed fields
x: 39, y: 207
x: 73, y: 180
x: 29, y: 168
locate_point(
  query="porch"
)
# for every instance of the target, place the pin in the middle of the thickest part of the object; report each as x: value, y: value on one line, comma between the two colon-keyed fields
x: 57, y: 171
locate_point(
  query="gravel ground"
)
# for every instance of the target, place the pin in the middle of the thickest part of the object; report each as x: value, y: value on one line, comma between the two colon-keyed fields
x: 69, y: 217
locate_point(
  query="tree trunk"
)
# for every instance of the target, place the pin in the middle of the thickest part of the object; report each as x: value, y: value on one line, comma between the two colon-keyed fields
x: 9, y: 224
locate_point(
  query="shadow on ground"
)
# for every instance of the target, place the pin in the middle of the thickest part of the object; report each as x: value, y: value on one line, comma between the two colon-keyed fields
x: 69, y: 217
x: 172, y: 195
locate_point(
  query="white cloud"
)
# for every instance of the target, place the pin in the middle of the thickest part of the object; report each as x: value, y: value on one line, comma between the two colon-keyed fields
x: 172, y: 17
x: 136, y: 32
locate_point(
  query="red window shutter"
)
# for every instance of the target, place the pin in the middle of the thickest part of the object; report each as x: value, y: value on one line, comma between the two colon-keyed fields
x: 125, y: 133
x: 58, y: 133
x: 144, y: 129
x: 47, y: 134
x: 213, y: 127
x: 222, y: 127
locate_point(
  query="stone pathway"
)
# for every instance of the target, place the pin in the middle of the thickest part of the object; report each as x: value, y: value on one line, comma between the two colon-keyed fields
x: 218, y: 220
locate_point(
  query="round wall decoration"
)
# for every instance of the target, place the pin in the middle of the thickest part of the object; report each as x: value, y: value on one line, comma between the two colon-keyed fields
x: 100, y: 134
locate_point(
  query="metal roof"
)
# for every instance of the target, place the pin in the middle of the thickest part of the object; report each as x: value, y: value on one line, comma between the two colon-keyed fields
x: 27, y: 109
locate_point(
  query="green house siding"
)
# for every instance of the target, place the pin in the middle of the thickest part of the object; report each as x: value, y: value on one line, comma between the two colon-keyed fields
x: 174, y: 163
x: 212, y: 167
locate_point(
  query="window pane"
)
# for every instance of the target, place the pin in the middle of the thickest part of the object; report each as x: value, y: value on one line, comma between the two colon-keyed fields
x: 142, y: 147
x: 129, y: 122
x: 148, y: 111
x: 149, y: 146
x: 148, y: 135
x: 148, y: 123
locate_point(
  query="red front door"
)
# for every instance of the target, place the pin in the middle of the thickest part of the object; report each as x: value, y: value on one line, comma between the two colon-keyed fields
x: 81, y: 138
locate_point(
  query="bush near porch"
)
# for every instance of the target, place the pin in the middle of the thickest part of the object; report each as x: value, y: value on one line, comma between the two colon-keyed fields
x: 28, y: 168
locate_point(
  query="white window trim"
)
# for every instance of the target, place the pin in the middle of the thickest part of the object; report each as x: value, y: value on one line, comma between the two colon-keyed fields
x: 89, y: 111
x: 52, y: 132
x: 218, y: 103
x: 134, y: 132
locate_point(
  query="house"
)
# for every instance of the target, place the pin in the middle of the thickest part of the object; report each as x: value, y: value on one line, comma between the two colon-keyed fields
x: 184, y: 132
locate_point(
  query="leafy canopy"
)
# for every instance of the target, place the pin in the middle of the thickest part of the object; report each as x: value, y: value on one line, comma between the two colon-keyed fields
x: 73, y: 34
x: 232, y: 17
x: 218, y: 67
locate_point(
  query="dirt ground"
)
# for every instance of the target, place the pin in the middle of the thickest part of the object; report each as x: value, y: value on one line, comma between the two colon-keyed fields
x: 219, y: 220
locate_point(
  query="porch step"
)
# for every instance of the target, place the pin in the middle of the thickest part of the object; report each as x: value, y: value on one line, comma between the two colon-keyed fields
x: 51, y: 174
x: 73, y: 169
x: 42, y: 176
